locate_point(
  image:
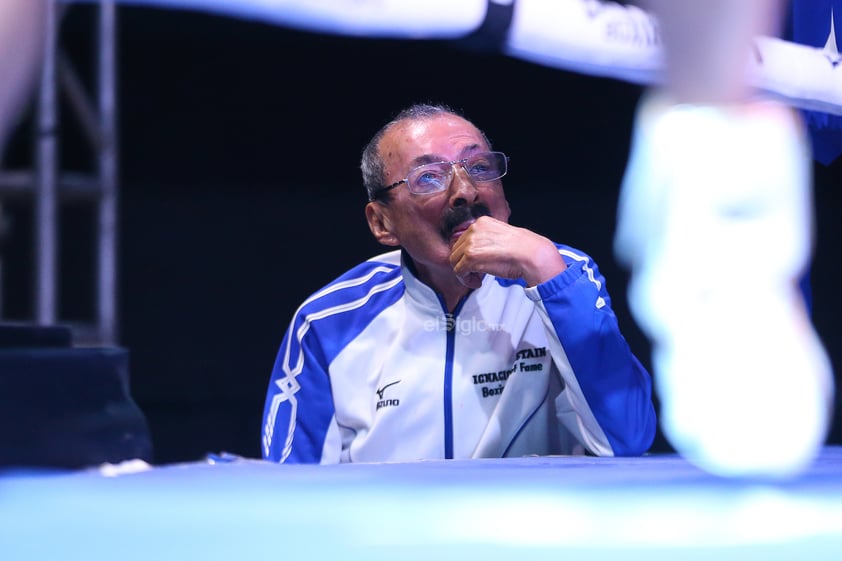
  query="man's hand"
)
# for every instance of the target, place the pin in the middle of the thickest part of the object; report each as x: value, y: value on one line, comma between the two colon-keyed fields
x: 506, y: 251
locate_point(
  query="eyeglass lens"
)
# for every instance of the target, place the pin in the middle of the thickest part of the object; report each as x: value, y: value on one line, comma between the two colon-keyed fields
x: 429, y: 178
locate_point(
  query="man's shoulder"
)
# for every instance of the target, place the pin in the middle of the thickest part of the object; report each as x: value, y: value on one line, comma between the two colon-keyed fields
x: 378, y: 275
x: 373, y: 270
x: 337, y: 313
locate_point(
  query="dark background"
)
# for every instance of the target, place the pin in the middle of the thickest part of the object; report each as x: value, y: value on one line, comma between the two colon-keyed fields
x: 240, y: 194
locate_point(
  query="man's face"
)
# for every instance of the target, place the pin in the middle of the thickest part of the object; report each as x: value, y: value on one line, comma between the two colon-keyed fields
x: 426, y: 226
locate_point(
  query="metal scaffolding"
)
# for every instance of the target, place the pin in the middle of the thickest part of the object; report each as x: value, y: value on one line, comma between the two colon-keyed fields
x: 49, y: 185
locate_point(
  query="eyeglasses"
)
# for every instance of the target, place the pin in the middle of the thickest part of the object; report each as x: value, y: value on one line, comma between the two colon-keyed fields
x: 432, y: 178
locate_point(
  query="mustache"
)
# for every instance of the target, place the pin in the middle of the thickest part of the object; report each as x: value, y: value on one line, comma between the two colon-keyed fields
x: 455, y: 216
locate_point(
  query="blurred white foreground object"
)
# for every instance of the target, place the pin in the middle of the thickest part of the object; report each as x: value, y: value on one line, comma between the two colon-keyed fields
x: 715, y: 223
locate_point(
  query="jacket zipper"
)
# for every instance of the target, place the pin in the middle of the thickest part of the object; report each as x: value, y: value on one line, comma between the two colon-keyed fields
x: 450, y: 322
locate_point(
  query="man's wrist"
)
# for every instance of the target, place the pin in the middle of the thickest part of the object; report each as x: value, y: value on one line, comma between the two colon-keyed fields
x: 546, y: 263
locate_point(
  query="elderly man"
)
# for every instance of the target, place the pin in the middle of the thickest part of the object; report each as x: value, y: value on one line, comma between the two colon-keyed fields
x: 474, y: 338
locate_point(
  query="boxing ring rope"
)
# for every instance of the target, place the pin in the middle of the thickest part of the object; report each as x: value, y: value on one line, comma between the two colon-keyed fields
x: 593, y: 37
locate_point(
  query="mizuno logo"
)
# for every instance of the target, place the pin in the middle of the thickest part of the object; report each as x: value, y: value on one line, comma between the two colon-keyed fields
x: 383, y: 389
x: 381, y: 403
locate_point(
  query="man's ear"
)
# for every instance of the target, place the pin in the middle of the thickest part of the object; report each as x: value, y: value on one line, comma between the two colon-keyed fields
x: 378, y: 222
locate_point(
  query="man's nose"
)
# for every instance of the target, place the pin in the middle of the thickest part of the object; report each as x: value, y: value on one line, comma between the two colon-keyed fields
x: 463, y: 189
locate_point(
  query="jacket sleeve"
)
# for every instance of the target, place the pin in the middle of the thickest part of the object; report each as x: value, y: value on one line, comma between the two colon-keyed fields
x: 606, y: 386
x: 299, y: 417
x: 299, y: 412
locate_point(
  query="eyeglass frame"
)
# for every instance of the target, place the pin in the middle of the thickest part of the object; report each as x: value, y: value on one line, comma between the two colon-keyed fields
x: 462, y: 161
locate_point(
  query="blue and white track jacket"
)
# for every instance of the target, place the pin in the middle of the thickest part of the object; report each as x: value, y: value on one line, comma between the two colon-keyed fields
x: 373, y: 369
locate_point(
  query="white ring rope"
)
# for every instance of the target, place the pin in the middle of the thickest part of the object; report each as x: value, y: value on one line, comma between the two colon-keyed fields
x: 593, y: 37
